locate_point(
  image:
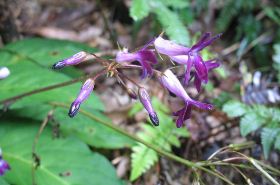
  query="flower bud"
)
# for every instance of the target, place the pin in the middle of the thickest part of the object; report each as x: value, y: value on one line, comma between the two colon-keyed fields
x: 132, y: 94
x: 82, y: 96
x: 73, y: 60
x: 146, y: 101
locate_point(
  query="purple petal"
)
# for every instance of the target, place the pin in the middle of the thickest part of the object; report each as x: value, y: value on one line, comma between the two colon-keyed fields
x: 201, y: 105
x: 171, y: 82
x: 126, y: 57
x: 206, y: 43
x: 200, y: 68
x: 197, y: 82
x: 147, y: 55
x: 169, y: 48
x: 204, y: 37
x: 183, y: 115
x: 180, y: 59
x: 212, y: 64
x: 146, y: 69
x: 73, y: 60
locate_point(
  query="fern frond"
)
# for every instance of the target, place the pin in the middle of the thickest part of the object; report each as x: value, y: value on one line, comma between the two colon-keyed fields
x: 163, y: 136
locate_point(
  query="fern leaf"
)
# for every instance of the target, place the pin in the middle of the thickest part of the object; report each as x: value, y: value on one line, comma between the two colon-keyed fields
x: 268, y: 136
x: 164, y: 136
x: 250, y: 122
x: 139, y: 9
x: 235, y: 108
x: 172, y: 24
x: 142, y: 159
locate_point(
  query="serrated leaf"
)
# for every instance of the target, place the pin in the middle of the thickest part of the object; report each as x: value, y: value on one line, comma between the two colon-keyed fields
x: 139, y: 9
x: 268, y: 136
x: 171, y: 24
x: 235, y: 108
x: 65, y: 161
x: 250, y: 122
x: 142, y: 159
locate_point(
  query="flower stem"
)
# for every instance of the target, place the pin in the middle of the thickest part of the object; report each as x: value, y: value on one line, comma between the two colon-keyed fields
x: 158, y: 150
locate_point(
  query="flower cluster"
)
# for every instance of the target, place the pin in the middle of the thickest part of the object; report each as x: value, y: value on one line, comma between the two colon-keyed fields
x: 189, y: 57
x: 4, y: 166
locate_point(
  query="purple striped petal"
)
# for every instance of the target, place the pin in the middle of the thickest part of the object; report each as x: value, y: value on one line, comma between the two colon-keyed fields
x: 169, y: 48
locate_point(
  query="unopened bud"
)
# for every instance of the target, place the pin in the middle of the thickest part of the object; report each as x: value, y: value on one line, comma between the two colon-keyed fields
x: 132, y: 94
x: 83, y: 95
x: 73, y: 60
x: 146, y: 101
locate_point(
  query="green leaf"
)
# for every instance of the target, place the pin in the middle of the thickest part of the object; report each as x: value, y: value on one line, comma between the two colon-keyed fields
x: 250, y: 122
x: 62, y: 161
x: 235, y: 108
x: 91, y: 132
x: 268, y: 136
x: 171, y: 24
x: 21, y: 59
x: 31, y: 70
x: 3, y: 181
x: 180, y: 4
x: 139, y: 9
x: 142, y: 159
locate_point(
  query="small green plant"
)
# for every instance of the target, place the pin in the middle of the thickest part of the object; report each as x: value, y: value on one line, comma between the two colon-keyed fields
x: 165, y: 11
x: 164, y: 136
x: 257, y: 117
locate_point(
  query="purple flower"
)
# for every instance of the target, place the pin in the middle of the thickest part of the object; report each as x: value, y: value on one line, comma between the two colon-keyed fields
x: 210, y: 64
x: 146, y: 101
x: 82, y: 96
x: 187, y: 56
x: 73, y: 60
x: 146, y: 57
x: 171, y: 82
x: 4, y: 166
